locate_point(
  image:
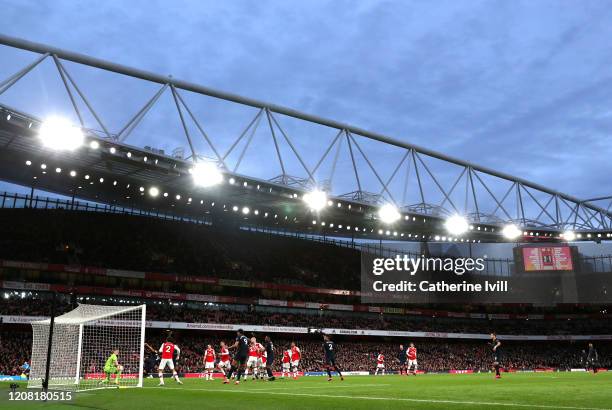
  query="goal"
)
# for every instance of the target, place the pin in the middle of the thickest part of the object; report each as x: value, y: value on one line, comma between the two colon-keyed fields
x: 82, y: 341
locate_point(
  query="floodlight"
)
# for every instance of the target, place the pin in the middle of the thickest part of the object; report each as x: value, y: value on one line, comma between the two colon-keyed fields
x: 206, y: 174
x: 570, y: 235
x: 456, y: 225
x: 94, y: 144
x: 153, y: 191
x: 511, y: 231
x: 59, y: 134
x: 316, y: 199
x: 388, y: 214
x: 246, y: 210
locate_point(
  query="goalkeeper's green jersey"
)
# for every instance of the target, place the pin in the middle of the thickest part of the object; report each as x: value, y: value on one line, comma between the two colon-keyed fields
x: 110, y: 362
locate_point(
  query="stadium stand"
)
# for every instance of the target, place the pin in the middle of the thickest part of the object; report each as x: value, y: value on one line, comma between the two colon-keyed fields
x: 71, y: 249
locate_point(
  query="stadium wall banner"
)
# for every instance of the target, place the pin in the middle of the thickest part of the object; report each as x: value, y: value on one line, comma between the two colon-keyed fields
x: 125, y: 274
x: 220, y: 375
x: 334, y: 373
x: 7, y: 378
x: 97, y: 376
x: 466, y: 371
x: 154, y: 324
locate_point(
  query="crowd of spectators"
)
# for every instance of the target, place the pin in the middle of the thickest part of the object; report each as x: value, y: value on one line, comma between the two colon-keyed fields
x: 434, y: 355
x: 33, y: 305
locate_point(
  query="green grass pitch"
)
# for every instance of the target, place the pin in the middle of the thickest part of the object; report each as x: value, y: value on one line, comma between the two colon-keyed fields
x: 476, y: 391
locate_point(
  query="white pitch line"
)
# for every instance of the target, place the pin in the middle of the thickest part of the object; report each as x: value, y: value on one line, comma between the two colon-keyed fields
x: 457, y: 402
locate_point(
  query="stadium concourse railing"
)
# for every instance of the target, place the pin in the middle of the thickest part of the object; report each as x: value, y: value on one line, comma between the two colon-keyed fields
x: 498, y: 267
x: 15, y: 200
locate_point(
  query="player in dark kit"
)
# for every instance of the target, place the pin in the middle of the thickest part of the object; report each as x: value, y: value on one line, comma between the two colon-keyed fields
x: 240, y: 358
x: 329, y: 347
x: 497, y: 354
x: 269, y: 346
x: 592, y: 358
x: 401, y: 357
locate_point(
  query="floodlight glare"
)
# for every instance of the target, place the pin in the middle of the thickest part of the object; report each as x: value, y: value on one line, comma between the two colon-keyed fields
x: 206, y: 175
x: 511, y: 231
x: 316, y: 199
x: 456, y: 225
x: 570, y: 235
x: 59, y: 134
x: 153, y: 191
x: 388, y: 214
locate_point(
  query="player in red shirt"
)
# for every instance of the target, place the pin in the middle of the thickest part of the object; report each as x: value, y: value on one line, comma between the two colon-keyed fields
x: 225, y: 361
x: 296, y: 354
x: 209, y: 362
x: 263, y: 358
x: 380, y: 364
x: 412, y: 358
x: 286, y: 364
x: 167, y: 350
x: 253, y: 360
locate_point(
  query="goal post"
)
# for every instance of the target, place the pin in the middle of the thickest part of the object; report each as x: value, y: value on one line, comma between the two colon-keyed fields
x: 83, y: 341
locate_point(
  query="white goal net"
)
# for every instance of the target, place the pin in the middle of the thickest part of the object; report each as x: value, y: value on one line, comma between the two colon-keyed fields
x: 82, y: 346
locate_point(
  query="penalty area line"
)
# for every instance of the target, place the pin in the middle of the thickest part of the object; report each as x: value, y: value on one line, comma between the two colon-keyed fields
x: 402, y: 399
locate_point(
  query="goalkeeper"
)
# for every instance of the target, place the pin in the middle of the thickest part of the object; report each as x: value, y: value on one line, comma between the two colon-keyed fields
x: 112, y: 366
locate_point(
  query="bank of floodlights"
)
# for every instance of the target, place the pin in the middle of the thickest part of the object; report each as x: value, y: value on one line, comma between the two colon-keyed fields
x: 389, y: 214
x: 511, y: 232
x: 206, y: 174
x: 456, y: 225
x: 316, y: 199
x: 569, y: 236
x: 59, y: 134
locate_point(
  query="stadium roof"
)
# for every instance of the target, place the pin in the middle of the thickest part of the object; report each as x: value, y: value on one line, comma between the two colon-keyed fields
x: 113, y: 172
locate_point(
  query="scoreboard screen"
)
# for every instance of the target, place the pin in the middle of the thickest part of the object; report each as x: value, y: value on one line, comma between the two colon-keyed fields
x: 547, y: 258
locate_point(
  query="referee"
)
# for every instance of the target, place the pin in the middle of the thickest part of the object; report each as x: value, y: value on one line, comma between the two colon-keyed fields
x: 592, y: 358
x: 401, y: 357
x: 270, y: 358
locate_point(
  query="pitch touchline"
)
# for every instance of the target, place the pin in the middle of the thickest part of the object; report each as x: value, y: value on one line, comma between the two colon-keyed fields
x: 475, y: 403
